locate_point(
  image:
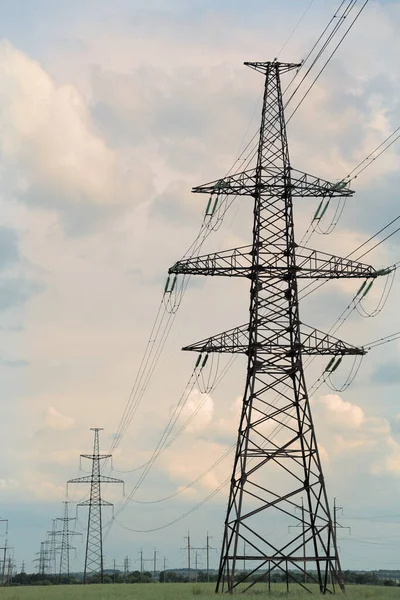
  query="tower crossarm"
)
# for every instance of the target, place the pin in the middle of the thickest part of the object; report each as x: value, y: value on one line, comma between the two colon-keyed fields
x: 314, y: 341
x: 270, y: 183
x: 316, y: 265
x: 96, y: 456
x: 278, y: 342
x: 308, y: 264
x: 230, y: 263
x: 100, y: 502
x: 88, y: 479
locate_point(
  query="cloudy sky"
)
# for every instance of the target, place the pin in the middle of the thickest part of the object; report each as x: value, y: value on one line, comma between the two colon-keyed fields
x: 109, y: 114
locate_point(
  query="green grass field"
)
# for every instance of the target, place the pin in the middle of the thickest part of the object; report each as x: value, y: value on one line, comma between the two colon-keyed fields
x: 172, y: 591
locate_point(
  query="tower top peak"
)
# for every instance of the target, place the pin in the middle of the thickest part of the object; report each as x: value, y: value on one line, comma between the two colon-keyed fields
x: 264, y: 67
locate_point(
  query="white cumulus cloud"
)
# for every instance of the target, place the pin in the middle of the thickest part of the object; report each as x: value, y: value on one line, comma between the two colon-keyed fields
x: 56, y: 420
x: 49, y: 147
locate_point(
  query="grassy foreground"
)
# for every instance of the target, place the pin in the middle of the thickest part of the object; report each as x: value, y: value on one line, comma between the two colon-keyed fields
x: 175, y: 591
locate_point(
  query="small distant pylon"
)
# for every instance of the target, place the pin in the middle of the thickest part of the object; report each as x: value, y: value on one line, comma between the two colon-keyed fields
x: 23, y: 571
x: 43, y: 559
x: 65, y: 545
x: 52, y: 551
x: 126, y: 567
x: 94, y: 544
x: 10, y: 571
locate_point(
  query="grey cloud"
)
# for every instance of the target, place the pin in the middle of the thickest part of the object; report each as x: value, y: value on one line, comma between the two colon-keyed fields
x: 16, y: 291
x: 9, y: 253
x: 14, y: 363
x: 11, y: 328
x: 190, y: 114
x: 386, y: 374
x: 176, y: 205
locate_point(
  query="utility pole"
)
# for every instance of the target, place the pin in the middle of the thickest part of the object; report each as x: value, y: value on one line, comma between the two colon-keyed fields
x: 144, y: 560
x: 304, y: 541
x: 4, y: 548
x: 275, y: 342
x: 94, y: 541
x: 208, y: 548
x: 154, y: 563
x: 148, y: 560
x: 188, y: 548
x: 335, y: 519
x: 165, y: 566
x: 114, y: 570
x: 196, y: 563
x: 65, y: 547
x: 336, y: 525
x: 141, y: 561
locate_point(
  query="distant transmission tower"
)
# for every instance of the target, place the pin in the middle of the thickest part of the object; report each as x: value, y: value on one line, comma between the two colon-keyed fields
x: 43, y: 559
x: 52, y: 535
x: 126, y: 567
x: 277, y: 459
x: 94, y: 541
x: 65, y: 546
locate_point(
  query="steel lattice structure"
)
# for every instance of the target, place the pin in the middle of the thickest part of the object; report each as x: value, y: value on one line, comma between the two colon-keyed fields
x: 94, y: 541
x: 65, y: 546
x: 277, y: 462
x: 52, y: 551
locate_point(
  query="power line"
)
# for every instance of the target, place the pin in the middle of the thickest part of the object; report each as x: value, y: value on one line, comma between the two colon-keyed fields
x: 352, y: 4
x: 299, y: 22
x: 371, y: 156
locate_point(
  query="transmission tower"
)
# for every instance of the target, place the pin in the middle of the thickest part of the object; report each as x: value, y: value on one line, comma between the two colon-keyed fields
x: 52, y: 535
x: 277, y: 459
x: 65, y: 547
x: 10, y: 571
x: 43, y: 559
x: 94, y: 541
x: 126, y: 567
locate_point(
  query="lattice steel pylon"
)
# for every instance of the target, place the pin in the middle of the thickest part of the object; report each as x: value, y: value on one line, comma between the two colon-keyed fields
x: 94, y: 541
x: 277, y: 462
x: 52, y: 535
x: 65, y: 546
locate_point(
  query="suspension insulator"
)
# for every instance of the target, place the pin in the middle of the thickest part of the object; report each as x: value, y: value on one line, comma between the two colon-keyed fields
x: 198, y: 360
x: 325, y: 209
x: 361, y: 288
x: 215, y: 205
x: 367, y: 289
x: 167, y: 284
x: 330, y: 363
x: 317, y: 211
x: 208, y: 207
x: 204, y: 361
x: 337, y: 363
x: 173, y: 284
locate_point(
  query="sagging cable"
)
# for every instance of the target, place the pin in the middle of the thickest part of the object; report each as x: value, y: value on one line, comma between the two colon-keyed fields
x: 382, y: 301
x: 349, y: 379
